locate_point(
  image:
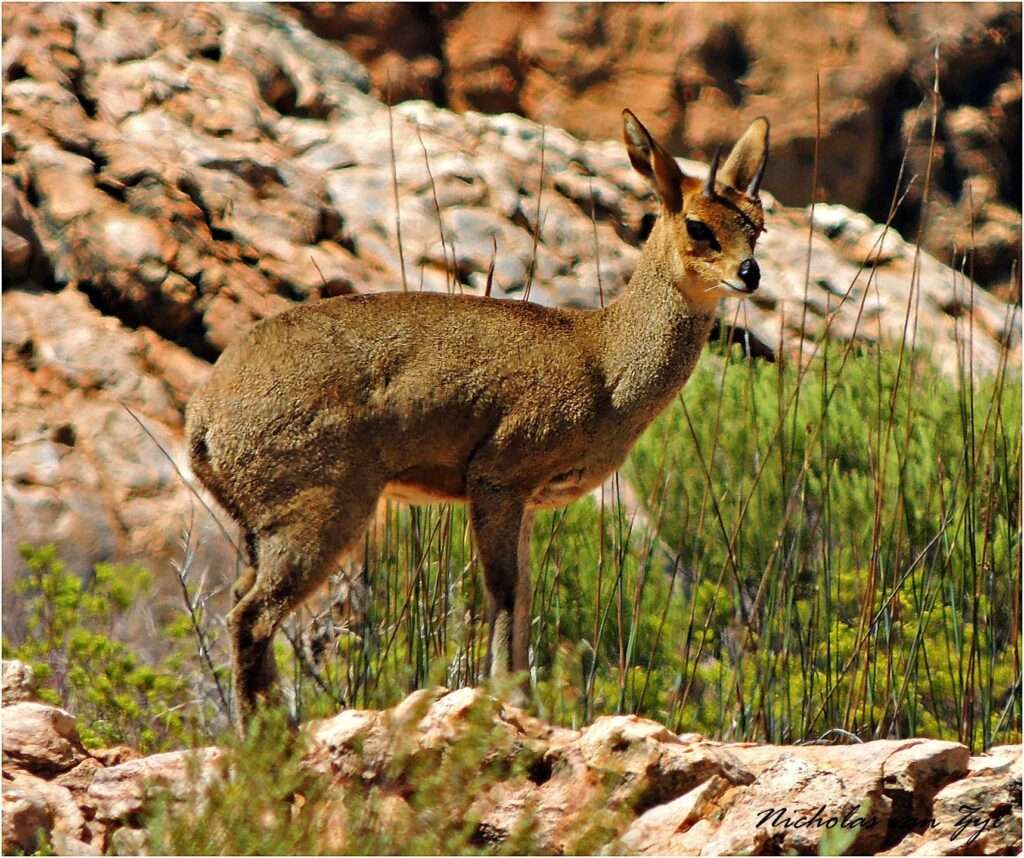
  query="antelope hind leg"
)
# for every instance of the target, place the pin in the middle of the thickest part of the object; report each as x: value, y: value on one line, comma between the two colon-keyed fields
x: 293, y: 560
x: 501, y: 525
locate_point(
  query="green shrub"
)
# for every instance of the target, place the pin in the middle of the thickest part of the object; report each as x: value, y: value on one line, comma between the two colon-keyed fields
x: 70, y: 643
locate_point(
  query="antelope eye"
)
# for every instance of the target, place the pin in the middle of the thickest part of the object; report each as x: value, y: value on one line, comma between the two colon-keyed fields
x: 700, y: 231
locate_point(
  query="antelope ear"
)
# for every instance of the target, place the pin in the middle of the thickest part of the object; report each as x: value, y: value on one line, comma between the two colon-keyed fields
x: 651, y: 161
x: 744, y: 168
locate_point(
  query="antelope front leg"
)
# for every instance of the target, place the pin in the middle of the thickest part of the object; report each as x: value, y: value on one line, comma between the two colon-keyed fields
x: 501, y: 524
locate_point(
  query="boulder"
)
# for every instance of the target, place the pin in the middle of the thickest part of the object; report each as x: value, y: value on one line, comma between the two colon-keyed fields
x: 18, y: 682
x: 26, y: 816
x: 40, y: 738
x: 117, y: 793
x: 32, y: 804
x: 979, y: 814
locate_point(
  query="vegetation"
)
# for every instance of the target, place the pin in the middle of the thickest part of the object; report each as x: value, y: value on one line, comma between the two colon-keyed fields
x: 77, y: 640
x: 792, y: 551
x: 839, y: 553
x: 780, y: 558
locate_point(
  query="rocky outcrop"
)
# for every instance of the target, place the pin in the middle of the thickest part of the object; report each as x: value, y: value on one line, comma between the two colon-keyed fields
x: 702, y: 72
x: 624, y: 784
x: 92, y: 437
x: 173, y: 173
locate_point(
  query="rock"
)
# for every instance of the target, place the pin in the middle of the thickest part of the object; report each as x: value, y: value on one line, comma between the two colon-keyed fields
x: 336, y: 738
x: 678, y: 827
x: 624, y: 785
x: 655, y: 766
x: 17, y: 253
x: 793, y: 791
x: 115, y: 756
x: 129, y: 841
x: 18, y: 682
x: 915, y: 767
x: 78, y: 469
x: 1007, y: 759
x: 698, y: 75
x: 40, y: 738
x: 45, y: 805
x: 25, y: 815
x: 427, y: 720
x: 22, y: 256
x: 979, y: 814
x: 118, y: 792
x: 395, y: 42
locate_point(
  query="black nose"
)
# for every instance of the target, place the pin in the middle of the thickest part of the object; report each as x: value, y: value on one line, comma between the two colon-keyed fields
x: 750, y: 274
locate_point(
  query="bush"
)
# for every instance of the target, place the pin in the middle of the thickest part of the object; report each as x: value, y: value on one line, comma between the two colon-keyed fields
x: 71, y: 643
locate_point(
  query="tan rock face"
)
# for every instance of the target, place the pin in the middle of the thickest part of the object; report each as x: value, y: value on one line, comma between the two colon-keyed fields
x: 681, y: 826
x: 78, y: 468
x: 702, y: 72
x: 40, y: 738
x: 18, y: 682
x: 976, y: 815
x: 119, y: 791
x: 35, y: 803
x: 25, y: 814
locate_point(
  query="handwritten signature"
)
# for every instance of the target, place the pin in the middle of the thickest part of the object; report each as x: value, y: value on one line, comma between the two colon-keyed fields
x: 972, y: 821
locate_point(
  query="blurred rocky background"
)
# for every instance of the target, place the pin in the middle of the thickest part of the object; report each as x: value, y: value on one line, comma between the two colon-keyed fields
x: 174, y: 172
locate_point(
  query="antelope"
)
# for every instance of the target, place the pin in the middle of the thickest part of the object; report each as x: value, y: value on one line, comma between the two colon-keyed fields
x: 508, y: 406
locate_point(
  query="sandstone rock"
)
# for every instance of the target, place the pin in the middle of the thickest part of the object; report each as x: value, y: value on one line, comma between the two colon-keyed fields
x: 681, y: 826
x: 979, y: 814
x: 999, y: 759
x: 794, y: 790
x: 129, y: 841
x: 397, y: 53
x: 50, y: 807
x: 77, y: 465
x: 899, y: 779
x: 426, y: 721
x: 78, y: 780
x: 18, y: 682
x: 655, y: 765
x: 697, y: 74
x: 41, y: 738
x: 335, y: 739
x: 17, y: 253
x: 623, y: 785
x: 118, y: 792
x: 25, y: 815
x: 590, y: 785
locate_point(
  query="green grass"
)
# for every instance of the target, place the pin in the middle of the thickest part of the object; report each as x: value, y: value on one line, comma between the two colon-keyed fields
x: 853, y: 551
